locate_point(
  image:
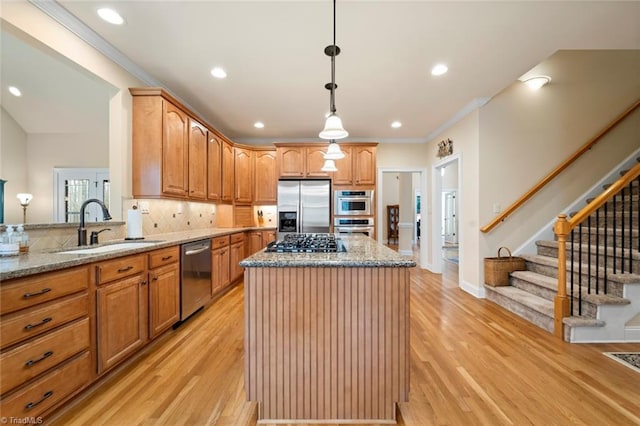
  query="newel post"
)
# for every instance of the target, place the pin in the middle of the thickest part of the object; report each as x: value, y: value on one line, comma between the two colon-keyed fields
x: 561, y: 302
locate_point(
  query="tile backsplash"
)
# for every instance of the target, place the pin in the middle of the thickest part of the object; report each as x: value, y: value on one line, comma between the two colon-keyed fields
x: 162, y: 216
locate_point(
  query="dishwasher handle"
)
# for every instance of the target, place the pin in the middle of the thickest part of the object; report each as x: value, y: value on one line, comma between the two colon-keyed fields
x: 195, y: 251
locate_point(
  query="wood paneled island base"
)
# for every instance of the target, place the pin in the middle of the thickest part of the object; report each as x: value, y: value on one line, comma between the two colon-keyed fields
x: 325, y: 342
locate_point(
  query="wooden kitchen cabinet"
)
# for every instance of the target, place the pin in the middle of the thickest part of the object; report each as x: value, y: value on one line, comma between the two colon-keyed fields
x: 237, y: 252
x: 364, y: 164
x: 314, y: 158
x: 228, y: 172
x: 259, y: 240
x: 220, y: 277
x: 122, y: 311
x: 290, y: 161
x: 197, y: 160
x: 164, y: 289
x: 175, y: 150
x: 243, y: 175
x: 45, y: 328
x: 265, y: 177
x: 214, y: 167
x: 344, y: 175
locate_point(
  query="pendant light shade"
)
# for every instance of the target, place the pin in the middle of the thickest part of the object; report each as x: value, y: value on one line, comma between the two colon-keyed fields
x: 329, y: 166
x: 333, y: 152
x: 333, y: 128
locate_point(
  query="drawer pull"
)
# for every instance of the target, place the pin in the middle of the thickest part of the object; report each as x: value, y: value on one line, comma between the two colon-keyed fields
x: 38, y: 324
x: 38, y: 293
x: 166, y: 257
x: 35, y: 361
x: 154, y: 279
x: 125, y: 269
x: 46, y: 395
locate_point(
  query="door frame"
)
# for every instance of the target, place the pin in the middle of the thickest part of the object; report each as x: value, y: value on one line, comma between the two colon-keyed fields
x: 436, y: 217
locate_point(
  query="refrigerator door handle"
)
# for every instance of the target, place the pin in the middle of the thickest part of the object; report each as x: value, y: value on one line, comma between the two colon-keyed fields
x: 299, y: 221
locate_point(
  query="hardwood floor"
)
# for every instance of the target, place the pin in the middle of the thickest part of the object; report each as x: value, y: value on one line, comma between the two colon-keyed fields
x: 472, y: 363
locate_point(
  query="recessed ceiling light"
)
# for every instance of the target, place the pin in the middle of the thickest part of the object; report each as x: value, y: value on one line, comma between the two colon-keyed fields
x: 258, y: 125
x: 15, y: 91
x: 535, y: 83
x: 439, y: 69
x: 396, y: 124
x: 111, y: 16
x: 218, y: 72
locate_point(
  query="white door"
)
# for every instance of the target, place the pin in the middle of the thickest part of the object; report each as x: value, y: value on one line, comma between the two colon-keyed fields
x: 73, y: 186
x: 449, y: 217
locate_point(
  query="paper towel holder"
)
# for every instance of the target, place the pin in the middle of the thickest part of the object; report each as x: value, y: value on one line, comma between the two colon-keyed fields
x: 134, y: 207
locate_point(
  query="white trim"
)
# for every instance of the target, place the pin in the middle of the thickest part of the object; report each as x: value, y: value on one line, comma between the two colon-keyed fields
x: 474, y: 290
x: 405, y: 225
x: 405, y: 252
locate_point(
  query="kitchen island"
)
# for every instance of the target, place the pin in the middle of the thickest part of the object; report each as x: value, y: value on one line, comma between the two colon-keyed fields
x: 327, y: 334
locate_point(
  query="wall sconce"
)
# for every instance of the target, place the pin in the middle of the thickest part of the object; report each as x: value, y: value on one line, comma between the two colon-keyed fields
x: 535, y: 83
x: 25, y: 199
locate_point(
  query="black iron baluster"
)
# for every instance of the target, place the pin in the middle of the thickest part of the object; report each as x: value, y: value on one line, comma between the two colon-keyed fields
x: 630, y: 201
x: 571, y: 269
x: 615, y: 235
x: 598, y: 251
x: 606, y: 245
x: 622, y: 234
x: 580, y: 269
x: 589, y: 255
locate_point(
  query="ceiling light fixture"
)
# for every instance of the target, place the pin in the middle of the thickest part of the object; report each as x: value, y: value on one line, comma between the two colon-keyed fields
x: 439, y: 69
x: 15, y: 91
x: 218, y: 72
x: 333, y: 128
x: 535, y: 83
x: 396, y: 124
x: 329, y: 166
x: 333, y: 151
x: 258, y: 125
x: 111, y: 16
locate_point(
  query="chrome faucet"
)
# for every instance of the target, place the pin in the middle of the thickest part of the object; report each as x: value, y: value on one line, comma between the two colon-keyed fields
x: 82, y: 231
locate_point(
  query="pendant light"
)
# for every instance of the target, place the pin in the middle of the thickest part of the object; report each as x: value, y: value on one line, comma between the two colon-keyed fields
x: 329, y: 166
x: 333, y: 151
x: 333, y: 128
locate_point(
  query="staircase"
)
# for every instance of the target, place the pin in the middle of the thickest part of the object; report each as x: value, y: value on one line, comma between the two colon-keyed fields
x: 611, y: 315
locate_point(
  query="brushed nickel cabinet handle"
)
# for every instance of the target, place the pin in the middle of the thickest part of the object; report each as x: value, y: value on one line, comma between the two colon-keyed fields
x: 167, y: 257
x: 38, y: 324
x: 46, y: 395
x: 125, y: 269
x: 38, y: 293
x: 154, y: 279
x: 35, y: 361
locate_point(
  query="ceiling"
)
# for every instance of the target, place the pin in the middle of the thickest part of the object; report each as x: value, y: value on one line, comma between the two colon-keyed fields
x: 273, y: 54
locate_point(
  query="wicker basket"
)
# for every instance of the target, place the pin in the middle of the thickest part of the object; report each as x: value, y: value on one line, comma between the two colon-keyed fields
x: 497, y: 269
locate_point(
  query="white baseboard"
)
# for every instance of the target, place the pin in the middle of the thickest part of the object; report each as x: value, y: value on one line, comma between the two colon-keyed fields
x: 406, y: 252
x: 478, y: 292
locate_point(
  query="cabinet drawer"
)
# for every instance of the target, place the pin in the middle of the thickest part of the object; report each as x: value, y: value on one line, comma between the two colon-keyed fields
x: 219, y: 242
x: 26, y: 292
x: 30, y: 322
x: 164, y: 257
x: 27, y: 361
x: 44, y: 393
x: 237, y: 238
x: 119, y: 268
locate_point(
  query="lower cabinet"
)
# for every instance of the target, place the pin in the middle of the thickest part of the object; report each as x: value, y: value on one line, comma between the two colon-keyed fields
x: 122, y: 319
x: 259, y: 240
x: 164, y: 290
x: 236, y: 254
x: 220, y: 277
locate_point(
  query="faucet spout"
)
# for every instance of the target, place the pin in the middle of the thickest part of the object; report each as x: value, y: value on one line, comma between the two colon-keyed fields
x: 82, y: 231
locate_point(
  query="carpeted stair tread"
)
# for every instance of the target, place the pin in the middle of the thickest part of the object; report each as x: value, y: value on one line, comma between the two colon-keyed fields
x: 536, y: 278
x: 578, y: 321
x: 635, y: 254
x: 532, y: 301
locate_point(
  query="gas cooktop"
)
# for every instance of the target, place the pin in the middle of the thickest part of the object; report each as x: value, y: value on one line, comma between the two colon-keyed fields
x: 307, y: 243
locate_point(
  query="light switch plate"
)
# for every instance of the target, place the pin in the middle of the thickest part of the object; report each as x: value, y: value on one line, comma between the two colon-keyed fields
x: 144, y: 207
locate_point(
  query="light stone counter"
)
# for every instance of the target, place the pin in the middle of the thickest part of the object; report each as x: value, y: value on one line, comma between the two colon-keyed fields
x: 361, y: 252
x: 38, y: 262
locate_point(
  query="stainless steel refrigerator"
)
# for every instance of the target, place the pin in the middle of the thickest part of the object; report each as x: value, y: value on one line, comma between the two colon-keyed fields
x: 304, y: 206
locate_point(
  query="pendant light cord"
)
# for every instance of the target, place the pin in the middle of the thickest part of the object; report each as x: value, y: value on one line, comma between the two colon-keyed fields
x: 332, y: 107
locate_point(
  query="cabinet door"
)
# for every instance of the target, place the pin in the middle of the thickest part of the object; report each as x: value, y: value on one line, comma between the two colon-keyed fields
x: 228, y: 173
x: 344, y: 175
x: 265, y: 177
x: 314, y: 161
x: 267, y: 237
x: 220, y: 268
x: 197, y: 160
x: 235, y: 256
x: 122, y: 320
x: 365, y: 165
x: 214, y: 168
x: 255, y: 241
x: 290, y: 161
x: 243, y: 176
x: 175, y: 154
x: 164, y: 298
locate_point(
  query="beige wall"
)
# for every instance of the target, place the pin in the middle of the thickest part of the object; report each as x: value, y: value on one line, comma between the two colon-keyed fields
x: 38, y: 25
x: 13, y: 157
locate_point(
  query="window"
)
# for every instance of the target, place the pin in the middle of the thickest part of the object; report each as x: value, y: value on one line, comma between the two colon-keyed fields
x: 72, y: 187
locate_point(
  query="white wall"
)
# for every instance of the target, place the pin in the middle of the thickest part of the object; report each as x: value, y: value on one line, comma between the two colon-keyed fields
x: 13, y: 156
x: 390, y: 182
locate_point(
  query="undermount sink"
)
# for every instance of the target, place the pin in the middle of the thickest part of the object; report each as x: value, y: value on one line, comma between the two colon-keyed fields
x: 110, y: 247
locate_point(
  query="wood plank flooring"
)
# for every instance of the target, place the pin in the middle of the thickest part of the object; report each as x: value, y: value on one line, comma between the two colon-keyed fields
x: 473, y: 363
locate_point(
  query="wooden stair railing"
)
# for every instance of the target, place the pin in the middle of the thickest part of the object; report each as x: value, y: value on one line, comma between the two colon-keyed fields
x: 563, y: 228
x: 565, y: 164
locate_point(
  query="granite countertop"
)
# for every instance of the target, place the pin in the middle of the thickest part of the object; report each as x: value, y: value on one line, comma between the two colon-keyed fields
x: 361, y: 252
x: 38, y: 262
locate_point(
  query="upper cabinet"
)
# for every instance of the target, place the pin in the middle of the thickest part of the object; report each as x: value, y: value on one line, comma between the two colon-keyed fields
x: 228, y: 172
x: 344, y: 175
x: 314, y: 157
x: 197, y: 160
x: 175, y: 150
x: 243, y: 176
x: 265, y: 177
x: 214, y: 167
x: 301, y: 161
x: 364, y: 164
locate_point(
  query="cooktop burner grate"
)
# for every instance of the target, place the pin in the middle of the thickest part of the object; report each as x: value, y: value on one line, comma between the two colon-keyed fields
x: 307, y: 243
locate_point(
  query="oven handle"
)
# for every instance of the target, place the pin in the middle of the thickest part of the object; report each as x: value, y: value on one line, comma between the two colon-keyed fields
x: 354, y: 228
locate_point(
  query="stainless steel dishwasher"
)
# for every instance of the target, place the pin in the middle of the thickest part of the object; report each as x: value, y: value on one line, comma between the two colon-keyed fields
x: 195, y: 283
